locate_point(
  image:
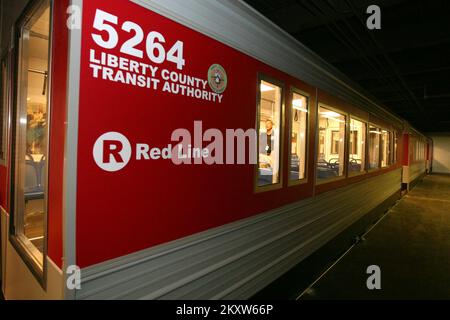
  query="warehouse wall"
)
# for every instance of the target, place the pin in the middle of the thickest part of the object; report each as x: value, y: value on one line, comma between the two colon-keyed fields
x: 441, y: 154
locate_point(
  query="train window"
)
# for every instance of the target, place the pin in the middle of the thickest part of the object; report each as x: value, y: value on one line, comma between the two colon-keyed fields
x: 335, y: 142
x: 374, y: 147
x: 331, y: 148
x: 3, y: 107
x: 385, y: 147
x: 395, y: 144
x: 357, y: 149
x: 416, y: 150
x: 412, y: 146
x: 299, y: 124
x: 30, y: 147
x: 269, y: 133
x: 422, y: 150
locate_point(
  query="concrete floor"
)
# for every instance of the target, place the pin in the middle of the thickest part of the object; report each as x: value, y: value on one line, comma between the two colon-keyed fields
x: 411, y: 245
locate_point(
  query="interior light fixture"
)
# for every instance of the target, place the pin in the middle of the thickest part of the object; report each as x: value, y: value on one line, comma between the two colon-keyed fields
x: 333, y: 118
x: 266, y: 88
x: 298, y: 105
x: 330, y: 114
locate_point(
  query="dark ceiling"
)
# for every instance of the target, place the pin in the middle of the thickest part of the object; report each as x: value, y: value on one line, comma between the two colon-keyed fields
x: 405, y: 65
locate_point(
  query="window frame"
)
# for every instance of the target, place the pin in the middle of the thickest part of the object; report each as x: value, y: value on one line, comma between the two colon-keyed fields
x: 394, y: 146
x: 295, y: 90
x: 274, y: 81
x: 389, y: 158
x: 22, y: 247
x: 379, y: 148
x: 333, y: 141
x: 346, y: 135
x: 366, y: 148
x: 6, y: 102
x: 353, y: 149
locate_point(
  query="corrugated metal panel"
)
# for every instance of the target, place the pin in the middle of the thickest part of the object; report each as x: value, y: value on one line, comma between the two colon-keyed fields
x: 237, y: 260
x: 236, y: 24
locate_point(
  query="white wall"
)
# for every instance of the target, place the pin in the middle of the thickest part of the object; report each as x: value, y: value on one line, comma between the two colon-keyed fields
x: 441, y: 161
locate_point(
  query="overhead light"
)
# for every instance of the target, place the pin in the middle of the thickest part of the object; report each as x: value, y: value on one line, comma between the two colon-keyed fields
x: 298, y: 104
x: 377, y: 132
x: 330, y: 114
x: 266, y: 88
x: 333, y: 118
x: 300, y: 109
x: 28, y: 99
x: 23, y: 121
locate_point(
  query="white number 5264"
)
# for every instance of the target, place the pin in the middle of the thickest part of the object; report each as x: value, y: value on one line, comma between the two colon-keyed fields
x: 106, y: 22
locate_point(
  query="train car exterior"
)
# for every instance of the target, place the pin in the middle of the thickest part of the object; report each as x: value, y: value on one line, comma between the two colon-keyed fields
x: 416, y: 157
x: 179, y: 150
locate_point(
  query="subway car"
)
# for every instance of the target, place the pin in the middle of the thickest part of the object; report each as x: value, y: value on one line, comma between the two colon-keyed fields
x: 166, y: 149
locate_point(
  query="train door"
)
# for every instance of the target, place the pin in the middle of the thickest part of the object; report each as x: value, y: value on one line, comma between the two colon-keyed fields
x: 29, y: 141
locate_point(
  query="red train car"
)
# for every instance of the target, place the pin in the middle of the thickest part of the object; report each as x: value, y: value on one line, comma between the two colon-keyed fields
x: 416, y: 157
x: 179, y: 149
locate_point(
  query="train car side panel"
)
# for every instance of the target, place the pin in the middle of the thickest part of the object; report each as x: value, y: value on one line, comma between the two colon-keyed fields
x: 152, y: 202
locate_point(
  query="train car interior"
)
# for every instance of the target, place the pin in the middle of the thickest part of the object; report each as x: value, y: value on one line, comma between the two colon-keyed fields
x: 30, y: 147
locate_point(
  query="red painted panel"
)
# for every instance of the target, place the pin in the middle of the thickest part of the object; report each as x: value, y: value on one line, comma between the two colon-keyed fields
x: 4, y: 170
x: 57, y: 131
x: 406, y: 149
x: 152, y: 202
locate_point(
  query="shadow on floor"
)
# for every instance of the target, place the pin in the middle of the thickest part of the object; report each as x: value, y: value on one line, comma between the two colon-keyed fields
x: 411, y: 245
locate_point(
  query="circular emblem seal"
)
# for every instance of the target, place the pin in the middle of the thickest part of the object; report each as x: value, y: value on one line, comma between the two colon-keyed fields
x: 217, y: 78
